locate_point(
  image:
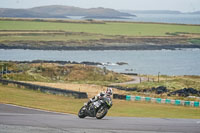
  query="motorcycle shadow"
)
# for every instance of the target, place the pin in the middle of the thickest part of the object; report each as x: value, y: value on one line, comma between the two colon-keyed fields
x: 93, y: 118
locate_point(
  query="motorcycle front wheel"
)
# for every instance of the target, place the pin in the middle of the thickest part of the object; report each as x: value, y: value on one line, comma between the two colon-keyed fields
x: 101, y: 112
x: 81, y: 113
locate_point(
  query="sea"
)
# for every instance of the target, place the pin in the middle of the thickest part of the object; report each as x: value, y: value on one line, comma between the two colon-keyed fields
x: 164, y: 62
x: 157, y: 18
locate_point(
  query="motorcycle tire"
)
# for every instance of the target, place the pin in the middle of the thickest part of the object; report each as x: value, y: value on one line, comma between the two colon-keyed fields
x: 105, y: 110
x: 81, y: 113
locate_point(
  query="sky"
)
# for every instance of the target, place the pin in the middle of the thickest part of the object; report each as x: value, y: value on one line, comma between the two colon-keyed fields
x: 178, y: 5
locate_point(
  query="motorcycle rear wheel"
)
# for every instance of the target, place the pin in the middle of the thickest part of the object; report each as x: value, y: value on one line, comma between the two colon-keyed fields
x: 81, y: 113
x: 101, y: 112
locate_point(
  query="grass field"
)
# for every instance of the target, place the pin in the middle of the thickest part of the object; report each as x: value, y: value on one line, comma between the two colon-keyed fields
x: 171, y: 82
x: 109, y: 28
x: 48, y: 37
x: 35, y: 99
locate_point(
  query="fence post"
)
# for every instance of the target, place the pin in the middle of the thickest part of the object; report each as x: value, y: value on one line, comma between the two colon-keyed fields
x: 2, y: 71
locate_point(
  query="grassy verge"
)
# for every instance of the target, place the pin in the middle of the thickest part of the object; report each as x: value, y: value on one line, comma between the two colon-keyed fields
x: 109, y: 28
x: 39, y: 100
x: 139, y: 109
x: 56, y: 103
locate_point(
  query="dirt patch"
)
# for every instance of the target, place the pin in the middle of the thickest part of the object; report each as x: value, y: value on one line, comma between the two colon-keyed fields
x: 91, y: 90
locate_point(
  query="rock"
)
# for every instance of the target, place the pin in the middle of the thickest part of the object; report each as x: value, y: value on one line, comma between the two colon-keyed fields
x: 186, y: 92
x: 122, y: 63
x: 123, y: 88
x: 159, y: 90
x: 91, y: 63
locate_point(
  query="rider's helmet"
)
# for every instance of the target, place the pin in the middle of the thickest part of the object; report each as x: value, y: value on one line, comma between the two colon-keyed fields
x: 109, y: 91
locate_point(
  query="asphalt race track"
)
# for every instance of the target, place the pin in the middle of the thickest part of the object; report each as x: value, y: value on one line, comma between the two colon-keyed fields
x: 15, y: 119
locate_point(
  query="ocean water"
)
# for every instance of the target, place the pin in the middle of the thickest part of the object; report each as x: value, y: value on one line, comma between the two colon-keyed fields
x: 158, y: 18
x: 167, y: 62
x: 168, y: 18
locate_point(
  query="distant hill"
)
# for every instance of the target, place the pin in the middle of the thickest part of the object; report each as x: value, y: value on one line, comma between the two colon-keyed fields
x: 151, y: 12
x: 58, y: 11
x: 5, y: 12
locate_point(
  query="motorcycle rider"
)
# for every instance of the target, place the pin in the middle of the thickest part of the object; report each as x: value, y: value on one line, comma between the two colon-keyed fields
x: 106, y: 94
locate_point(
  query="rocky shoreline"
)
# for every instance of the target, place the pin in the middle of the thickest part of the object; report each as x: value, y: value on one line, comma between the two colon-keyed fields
x: 119, y: 47
x: 58, y: 62
x: 68, y: 62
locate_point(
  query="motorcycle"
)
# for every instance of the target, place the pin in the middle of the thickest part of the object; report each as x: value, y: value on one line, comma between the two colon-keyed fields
x: 96, y: 109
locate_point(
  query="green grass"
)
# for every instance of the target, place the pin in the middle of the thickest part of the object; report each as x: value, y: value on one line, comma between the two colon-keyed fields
x: 109, y: 28
x: 35, y: 99
x: 195, y: 41
x: 140, y: 109
x: 51, y: 37
x: 172, y: 83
